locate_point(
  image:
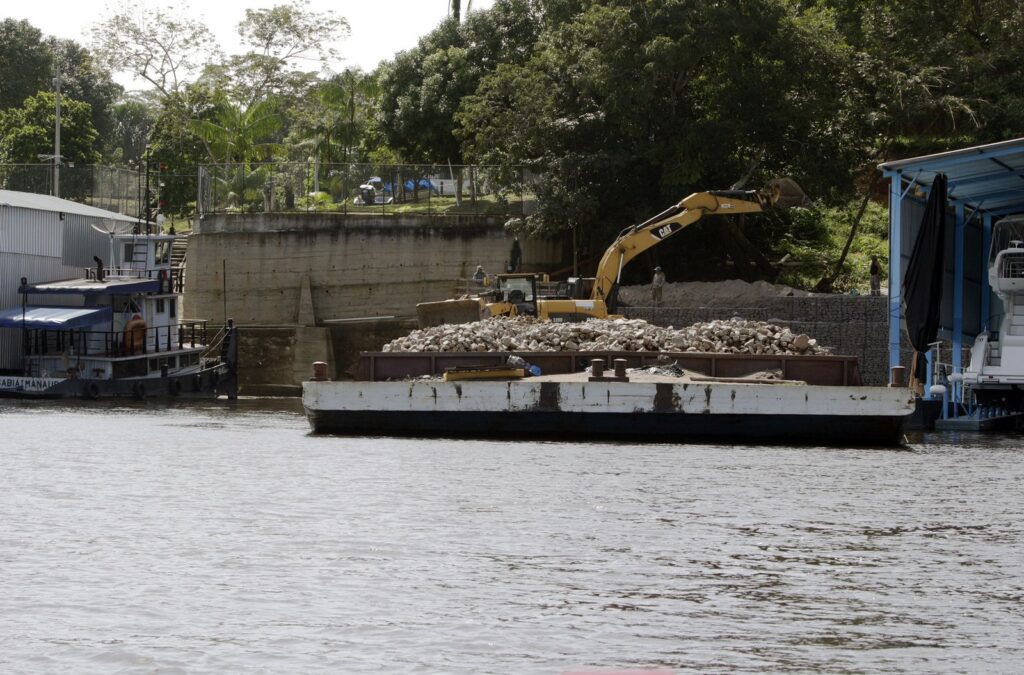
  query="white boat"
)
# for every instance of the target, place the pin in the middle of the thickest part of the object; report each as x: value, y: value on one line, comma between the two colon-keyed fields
x: 995, y: 375
x: 116, y: 331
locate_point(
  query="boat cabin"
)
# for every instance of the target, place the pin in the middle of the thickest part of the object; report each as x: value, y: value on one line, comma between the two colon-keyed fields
x: 120, y: 319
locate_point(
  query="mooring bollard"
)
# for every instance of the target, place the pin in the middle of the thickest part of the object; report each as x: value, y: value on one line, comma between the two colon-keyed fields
x: 319, y: 371
x: 896, y: 376
x: 620, y: 368
x: 597, y: 367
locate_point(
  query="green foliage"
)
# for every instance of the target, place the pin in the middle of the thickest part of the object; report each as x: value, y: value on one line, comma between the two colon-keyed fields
x: 27, y: 132
x: 26, y: 64
x: 815, y: 238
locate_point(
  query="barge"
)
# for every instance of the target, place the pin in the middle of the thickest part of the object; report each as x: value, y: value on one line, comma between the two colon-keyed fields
x: 828, y: 407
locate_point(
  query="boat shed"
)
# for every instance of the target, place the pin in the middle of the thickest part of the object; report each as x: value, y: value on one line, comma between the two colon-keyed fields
x: 44, y: 238
x: 985, y: 183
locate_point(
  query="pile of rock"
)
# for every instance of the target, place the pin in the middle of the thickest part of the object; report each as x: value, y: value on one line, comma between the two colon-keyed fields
x: 502, y: 334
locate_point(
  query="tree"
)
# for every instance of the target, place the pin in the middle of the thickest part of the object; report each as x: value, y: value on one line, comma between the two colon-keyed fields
x: 625, y: 107
x: 330, y: 120
x: 233, y: 134
x: 421, y: 89
x: 281, y: 39
x: 27, y: 132
x: 132, y: 122
x: 82, y: 79
x: 156, y: 46
x: 26, y: 64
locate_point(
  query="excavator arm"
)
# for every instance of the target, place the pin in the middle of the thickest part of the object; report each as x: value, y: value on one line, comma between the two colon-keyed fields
x: 636, y: 239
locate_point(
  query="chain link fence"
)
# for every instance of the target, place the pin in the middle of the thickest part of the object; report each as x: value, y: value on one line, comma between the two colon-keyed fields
x: 106, y: 187
x: 365, y: 188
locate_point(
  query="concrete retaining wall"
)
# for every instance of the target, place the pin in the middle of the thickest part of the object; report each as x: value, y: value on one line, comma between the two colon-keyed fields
x: 254, y: 266
x: 285, y: 277
x: 854, y: 325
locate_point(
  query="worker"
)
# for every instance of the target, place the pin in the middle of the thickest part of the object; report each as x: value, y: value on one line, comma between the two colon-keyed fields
x: 657, y: 286
x: 515, y: 256
x: 876, y: 276
x: 479, y: 276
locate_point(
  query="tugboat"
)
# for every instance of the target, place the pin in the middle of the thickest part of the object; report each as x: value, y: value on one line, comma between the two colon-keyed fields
x: 996, y: 371
x: 116, y: 332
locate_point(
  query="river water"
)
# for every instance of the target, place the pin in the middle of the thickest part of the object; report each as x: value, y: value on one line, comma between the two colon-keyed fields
x: 217, y: 537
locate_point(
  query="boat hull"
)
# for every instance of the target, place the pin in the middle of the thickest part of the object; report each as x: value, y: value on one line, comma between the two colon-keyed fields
x: 207, y: 384
x: 718, y: 412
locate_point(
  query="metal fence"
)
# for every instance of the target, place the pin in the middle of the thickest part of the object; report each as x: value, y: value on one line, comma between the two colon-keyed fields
x: 365, y: 188
x: 106, y: 187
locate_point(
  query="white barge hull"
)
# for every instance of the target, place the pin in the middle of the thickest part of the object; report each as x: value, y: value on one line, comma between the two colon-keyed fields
x: 777, y: 413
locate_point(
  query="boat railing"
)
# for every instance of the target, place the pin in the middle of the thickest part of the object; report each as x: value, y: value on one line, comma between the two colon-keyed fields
x: 113, y: 344
x: 173, y: 274
x: 1012, y: 266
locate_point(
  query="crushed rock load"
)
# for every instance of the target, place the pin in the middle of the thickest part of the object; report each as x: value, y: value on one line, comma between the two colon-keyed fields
x: 730, y: 293
x: 502, y: 334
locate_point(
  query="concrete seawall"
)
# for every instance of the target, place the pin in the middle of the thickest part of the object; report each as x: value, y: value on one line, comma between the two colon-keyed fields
x: 275, y: 269
x: 287, y: 279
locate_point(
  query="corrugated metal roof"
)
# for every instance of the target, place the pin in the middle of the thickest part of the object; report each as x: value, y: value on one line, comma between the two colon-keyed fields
x: 989, y: 177
x: 29, y: 200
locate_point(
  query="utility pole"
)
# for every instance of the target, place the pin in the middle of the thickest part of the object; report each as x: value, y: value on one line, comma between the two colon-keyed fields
x: 56, y: 142
x: 148, y: 210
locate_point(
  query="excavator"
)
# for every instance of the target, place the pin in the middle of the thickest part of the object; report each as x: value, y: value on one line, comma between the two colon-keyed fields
x: 579, y: 299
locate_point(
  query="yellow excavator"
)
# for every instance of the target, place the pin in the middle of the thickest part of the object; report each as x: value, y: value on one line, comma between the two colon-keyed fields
x: 579, y: 299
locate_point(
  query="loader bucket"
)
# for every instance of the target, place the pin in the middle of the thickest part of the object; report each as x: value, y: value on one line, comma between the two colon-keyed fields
x: 429, y: 314
x: 785, y: 194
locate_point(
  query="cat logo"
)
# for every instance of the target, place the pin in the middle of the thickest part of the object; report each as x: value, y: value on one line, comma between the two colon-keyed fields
x: 665, y: 230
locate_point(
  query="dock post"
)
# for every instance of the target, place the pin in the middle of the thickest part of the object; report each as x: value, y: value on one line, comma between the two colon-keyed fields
x: 896, y: 376
x: 319, y: 371
x: 620, y: 368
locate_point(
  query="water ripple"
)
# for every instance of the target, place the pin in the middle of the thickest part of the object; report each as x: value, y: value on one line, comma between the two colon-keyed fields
x: 224, y: 538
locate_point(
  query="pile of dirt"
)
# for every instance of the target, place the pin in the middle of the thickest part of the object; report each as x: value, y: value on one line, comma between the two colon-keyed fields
x: 731, y: 293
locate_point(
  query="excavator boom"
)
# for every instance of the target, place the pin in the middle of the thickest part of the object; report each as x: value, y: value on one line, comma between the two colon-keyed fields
x: 636, y: 239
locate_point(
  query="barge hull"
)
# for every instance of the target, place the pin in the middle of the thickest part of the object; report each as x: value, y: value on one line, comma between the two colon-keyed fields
x: 667, y: 411
x: 832, y: 430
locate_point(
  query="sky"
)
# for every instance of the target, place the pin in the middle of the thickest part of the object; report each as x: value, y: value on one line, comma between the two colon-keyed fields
x: 379, y: 28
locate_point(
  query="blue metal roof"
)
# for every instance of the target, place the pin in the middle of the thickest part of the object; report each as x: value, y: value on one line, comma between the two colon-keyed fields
x: 53, y: 318
x: 986, y: 178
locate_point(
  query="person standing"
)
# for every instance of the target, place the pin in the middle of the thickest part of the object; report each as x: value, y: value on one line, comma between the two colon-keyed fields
x: 515, y: 256
x: 876, y: 276
x: 657, y: 285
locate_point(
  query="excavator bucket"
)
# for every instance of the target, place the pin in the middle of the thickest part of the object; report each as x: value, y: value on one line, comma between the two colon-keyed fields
x: 466, y: 310
x: 785, y: 194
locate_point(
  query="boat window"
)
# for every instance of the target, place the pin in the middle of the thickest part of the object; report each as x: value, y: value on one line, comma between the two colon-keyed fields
x: 163, y: 252
x: 159, y: 305
x: 173, y: 306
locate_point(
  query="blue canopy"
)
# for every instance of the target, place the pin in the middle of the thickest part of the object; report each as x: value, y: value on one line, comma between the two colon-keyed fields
x: 53, y: 318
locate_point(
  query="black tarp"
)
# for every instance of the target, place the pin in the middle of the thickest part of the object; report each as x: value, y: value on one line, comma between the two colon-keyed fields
x: 922, y: 285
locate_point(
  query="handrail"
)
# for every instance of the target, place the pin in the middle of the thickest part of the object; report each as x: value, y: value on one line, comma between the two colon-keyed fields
x: 119, y: 343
